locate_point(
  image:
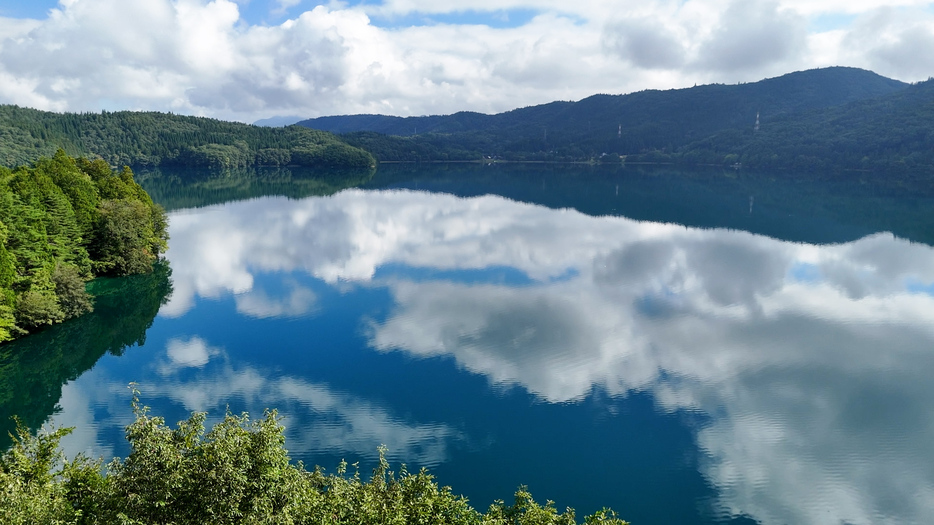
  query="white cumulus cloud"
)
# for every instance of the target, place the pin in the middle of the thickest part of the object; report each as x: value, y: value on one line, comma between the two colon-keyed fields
x: 412, y: 57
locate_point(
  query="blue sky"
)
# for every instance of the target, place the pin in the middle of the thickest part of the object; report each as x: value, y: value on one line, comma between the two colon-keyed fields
x: 251, y: 59
x: 26, y: 8
x: 265, y: 12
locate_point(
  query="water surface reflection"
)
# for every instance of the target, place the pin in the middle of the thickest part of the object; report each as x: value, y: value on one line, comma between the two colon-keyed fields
x: 810, y: 364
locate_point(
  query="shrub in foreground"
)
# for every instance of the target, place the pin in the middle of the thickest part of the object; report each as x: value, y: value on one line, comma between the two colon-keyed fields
x: 237, y: 473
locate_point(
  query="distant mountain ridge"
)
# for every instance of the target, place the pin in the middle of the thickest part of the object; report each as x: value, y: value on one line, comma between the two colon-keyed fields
x: 277, y: 122
x: 638, y: 117
x: 711, y: 124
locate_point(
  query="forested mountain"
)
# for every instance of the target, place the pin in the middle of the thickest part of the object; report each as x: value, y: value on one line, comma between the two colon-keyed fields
x: 819, y: 119
x: 690, y: 111
x: 891, y: 132
x: 810, y: 119
x: 153, y: 139
x: 63, y: 221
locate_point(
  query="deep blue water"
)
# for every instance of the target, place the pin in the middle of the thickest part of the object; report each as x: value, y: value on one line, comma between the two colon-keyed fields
x: 715, y: 351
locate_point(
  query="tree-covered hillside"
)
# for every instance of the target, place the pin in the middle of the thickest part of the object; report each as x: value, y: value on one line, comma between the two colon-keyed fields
x: 154, y: 139
x: 62, y: 222
x: 637, y: 123
x: 885, y: 133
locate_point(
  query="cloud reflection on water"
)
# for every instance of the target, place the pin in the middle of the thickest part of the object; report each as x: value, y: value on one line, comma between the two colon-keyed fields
x: 317, y: 418
x: 812, y: 361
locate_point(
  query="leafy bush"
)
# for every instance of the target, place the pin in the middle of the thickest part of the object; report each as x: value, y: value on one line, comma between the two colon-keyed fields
x: 73, y: 298
x: 238, y: 473
x: 36, y: 308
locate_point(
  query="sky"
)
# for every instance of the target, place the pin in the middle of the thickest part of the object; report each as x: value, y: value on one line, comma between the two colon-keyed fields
x: 250, y: 59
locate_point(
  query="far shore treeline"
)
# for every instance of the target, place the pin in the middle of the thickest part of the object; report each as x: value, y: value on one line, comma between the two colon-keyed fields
x: 818, y: 121
x: 133, y: 138
x: 63, y: 221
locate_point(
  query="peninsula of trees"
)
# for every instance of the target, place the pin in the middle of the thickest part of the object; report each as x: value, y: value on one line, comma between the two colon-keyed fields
x: 128, y: 138
x: 64, y: 221
x: 822, y: 119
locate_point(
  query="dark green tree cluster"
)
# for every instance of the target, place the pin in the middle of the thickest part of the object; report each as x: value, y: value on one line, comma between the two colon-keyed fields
x: 238, y: 473
x: 162, y: 139
x: 63, y: 221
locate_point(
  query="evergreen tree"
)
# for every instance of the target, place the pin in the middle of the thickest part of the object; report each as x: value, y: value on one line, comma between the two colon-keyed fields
x: 56, y: 231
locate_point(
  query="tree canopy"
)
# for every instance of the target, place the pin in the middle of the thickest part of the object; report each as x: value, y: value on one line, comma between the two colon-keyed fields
x: 163, y: 139
x: 63, y: 221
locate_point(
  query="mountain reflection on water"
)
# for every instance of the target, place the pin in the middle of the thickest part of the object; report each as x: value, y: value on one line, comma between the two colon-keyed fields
x: 800, y: 373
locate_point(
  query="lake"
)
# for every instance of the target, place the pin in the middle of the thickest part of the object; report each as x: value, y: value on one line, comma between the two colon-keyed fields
x: 684, y: 347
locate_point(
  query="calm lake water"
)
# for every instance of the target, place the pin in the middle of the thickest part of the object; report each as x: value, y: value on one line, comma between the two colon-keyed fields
x: 682, y: 347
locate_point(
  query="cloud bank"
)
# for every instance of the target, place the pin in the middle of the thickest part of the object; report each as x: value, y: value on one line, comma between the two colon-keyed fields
x: 216, y: 58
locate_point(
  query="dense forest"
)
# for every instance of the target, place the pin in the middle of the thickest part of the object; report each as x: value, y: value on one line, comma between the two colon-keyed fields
x: 894, y: 132
x: 237, y: 473
x: 63, y: 221
x: 832, y: 118
x: 162, y: 139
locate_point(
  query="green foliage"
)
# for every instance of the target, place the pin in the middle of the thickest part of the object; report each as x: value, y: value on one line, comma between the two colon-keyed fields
x: 71, y: 175
x: 154, y: 139
x: 124, y: 238
x: 883, y: 134
x: 37, y: 308
x: 238, y: 473
x: 8, y: 329
x: 63, y: 221
x: 30, y: 492
x: 526, y: 511
x: 70, y: 288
